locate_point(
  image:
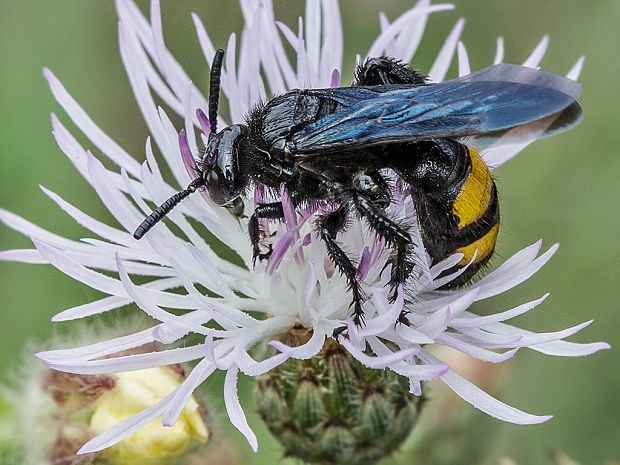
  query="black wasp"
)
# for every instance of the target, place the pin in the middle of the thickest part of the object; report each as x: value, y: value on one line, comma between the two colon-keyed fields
x: 332, y: 147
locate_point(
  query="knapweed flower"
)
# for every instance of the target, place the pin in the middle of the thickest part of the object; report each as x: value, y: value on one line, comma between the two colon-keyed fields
x: 178, y: 279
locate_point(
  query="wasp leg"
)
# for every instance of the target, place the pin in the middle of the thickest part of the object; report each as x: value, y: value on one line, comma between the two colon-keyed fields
x: 385, y: 70
x: 271, y: 211
x: 393, y: 233
x: 329, y: 225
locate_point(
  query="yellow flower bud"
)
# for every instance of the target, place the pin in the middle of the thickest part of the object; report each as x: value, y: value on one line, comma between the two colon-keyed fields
x: 153, y: 444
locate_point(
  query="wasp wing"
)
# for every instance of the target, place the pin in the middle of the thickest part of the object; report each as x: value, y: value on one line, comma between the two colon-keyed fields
x: 493, y: 99
x: 527, y: 133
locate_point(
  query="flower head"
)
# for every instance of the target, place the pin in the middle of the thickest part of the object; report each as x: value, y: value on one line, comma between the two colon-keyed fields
x: 191, y: 289
x: 58, y: 412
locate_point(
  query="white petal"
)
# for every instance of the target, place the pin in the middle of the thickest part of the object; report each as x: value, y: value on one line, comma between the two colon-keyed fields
x: 89, y: 128
x: 475, y: 321
x: 463, y: 60
x: 483, y: 401
x: 404, y: 21
x: 127, y: 362
x: 442, y: 62
x: 378, y: 361
x: 125, y: 428
x: 233, y: 407
x: 184, y: 392
x: 575, y: 71
x: 304, y: 351
x: 538, y: 53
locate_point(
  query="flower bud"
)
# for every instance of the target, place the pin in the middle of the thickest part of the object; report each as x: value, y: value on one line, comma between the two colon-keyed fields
x: 332, y: 409
x: 59, y: 412
x: 153, y: 444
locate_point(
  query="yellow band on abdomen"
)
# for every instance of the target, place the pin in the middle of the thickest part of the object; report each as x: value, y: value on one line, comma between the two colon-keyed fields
x: 473, y: 199
x: 484, y: 245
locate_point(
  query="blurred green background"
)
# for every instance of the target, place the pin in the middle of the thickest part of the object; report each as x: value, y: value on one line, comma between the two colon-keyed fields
x: 564, y: 189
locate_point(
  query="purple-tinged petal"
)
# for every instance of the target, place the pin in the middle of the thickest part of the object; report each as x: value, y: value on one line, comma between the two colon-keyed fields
x: 280, y: 249
x: 408, y: 368
x: 203, y: 119
x: 569, y: 349
x: 233, y: 407
x: 438, y: 282
x: 521, y: 273
x: 384, y: 22
x: 134, y: 21
x: 141, y: 90
x: 212, y: 278
x: 461, y: 304
x: 290, y: 216
x: 186, y: 155
x: 364, y: 265
x: 487, y: 339
x: 335, y: 79
x: 98, y: 227
x: 419, y: 372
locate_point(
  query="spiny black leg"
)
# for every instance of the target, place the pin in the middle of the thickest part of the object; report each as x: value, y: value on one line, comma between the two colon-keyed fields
x: 392, y: 232
x: 402, y: 266
x: 385, y: 70
x: 271, y: 211
x: 329, y: 225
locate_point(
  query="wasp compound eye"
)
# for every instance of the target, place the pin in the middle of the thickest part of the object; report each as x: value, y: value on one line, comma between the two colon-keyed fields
x: 215, y: 188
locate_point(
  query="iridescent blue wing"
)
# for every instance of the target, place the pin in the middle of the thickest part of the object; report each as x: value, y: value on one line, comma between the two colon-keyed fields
x: 527, y: 133
x: 493, y: 99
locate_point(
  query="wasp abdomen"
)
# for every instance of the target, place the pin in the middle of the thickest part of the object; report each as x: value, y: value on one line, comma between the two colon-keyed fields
x: 458, y: 206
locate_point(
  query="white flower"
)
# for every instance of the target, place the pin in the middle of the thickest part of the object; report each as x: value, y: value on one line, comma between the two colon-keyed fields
x: 298, y: 282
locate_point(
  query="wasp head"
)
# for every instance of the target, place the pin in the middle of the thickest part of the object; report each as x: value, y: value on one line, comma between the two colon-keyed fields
x: 221, y: 172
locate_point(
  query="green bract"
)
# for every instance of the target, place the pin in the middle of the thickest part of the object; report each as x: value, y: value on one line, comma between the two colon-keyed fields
x: 332, y: 409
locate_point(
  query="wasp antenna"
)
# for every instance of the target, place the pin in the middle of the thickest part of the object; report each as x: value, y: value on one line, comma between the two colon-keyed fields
x: 164, y: 209
x: 214, y: 89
